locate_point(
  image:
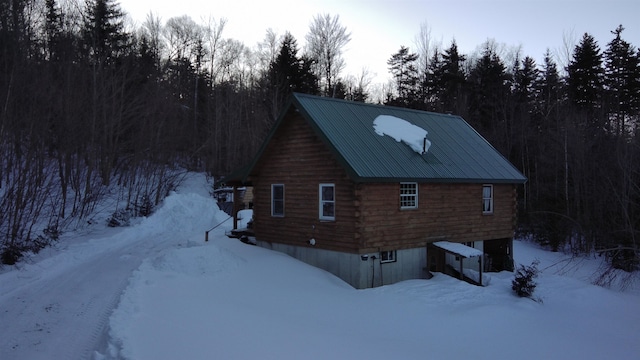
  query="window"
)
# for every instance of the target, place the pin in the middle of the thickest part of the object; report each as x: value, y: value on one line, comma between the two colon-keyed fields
x: 408, y: 195
x: 327, y: 202
x: 277, y: 200
x: 387, y: 256
x: 487, y: 199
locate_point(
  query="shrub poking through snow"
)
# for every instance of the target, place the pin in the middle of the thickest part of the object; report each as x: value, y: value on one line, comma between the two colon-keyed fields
x: 144, y: 206
x: 523, y: 283
x: 119, y: 218
x: 10, y: 255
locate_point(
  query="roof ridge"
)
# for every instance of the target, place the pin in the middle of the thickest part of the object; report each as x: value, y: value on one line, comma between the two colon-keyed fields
x: 382, y: 106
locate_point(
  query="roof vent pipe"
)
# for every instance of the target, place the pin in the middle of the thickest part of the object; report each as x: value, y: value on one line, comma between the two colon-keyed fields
x: 424, y: 145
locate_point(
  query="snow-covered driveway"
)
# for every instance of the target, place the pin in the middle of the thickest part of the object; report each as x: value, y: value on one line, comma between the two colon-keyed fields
x: 57, y: 304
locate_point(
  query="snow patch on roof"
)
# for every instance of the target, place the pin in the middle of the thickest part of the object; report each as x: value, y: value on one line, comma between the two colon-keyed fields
x: 401, y: 130
x: 458, y: 249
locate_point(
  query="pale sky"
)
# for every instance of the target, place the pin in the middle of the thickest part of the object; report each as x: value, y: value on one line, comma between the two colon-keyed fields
x: 379, y: 27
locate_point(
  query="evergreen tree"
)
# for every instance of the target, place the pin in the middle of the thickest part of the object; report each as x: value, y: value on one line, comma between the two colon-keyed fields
x: 489, y: 90
x: 340, y: 90
x: 453, y: 80
x: 548, y: 87
x: 525, y: 78
x: 53, y: 28
x: 546, y: 190
x: 13, y: 30
x: 103, y: 31
x: 586, y: 75
x: 434, y: 93
x: 522, y: 104
x: 291, y: 73
x: 520, y: 108
x: 447, y: 83
x: 402, y: 66
x: 588, y: 146
x: 288, y: 73
x: 622, y: 81
x: 357, y: 94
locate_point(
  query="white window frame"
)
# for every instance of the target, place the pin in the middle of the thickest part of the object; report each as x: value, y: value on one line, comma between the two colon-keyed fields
x: 273, y: 201
x: 388, y: 256
x: 322, y: 202
x: 408, y: 198
x: 487, y: 201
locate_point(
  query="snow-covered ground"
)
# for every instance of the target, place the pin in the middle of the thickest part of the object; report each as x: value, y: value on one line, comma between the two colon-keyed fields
x: 156, y: 290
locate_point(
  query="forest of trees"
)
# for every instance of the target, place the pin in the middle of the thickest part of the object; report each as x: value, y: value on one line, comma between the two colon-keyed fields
x: 89, y: 103
x: 573, y: 133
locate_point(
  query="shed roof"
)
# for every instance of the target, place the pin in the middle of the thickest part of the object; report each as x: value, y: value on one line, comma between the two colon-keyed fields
x: 458, y: 249
x: 457, y: 153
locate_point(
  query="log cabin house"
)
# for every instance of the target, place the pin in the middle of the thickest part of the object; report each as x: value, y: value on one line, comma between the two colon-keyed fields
x: 353, y: 188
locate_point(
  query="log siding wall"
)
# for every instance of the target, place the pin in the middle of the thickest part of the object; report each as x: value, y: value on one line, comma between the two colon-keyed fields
x: 296, y: 158
x: 451, y: 212
x: 368, y: 215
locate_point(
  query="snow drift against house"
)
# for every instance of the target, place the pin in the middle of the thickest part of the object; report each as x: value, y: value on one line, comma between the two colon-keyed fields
x: 402, y: 130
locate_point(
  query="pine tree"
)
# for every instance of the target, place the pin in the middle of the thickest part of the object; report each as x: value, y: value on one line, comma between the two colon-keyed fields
x: 288, y: 73
x: 103, y: 31
x: 523, y: 283
x: 53, y: 28
x: 291, y: 73
x: 548, y: 87
x: 524, y: 81
x: 447, y: 83
x: 13, y: 31
x: 402, y: 66
x: 522, y: 104
x: 453, y: 80
x: 622, y: 81
x: 489, y: 90
x: 588, y: 146
x: 547, y: 188
x: 434, y: 90
x: 586, y: 76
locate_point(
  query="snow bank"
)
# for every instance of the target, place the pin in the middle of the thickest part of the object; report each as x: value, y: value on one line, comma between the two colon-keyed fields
x: 228, y: 300
x: 222, y: 299
x: 401, y: 130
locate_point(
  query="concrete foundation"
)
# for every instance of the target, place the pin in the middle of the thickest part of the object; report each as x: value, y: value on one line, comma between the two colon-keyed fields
x: 360, y: 271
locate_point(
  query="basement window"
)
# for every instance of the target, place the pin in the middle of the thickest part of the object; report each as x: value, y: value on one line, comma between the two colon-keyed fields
x: 408, y: 195
x: 277, y: 200
x: 487, y: 199
x: 327, y: 203
x: 387, y: 256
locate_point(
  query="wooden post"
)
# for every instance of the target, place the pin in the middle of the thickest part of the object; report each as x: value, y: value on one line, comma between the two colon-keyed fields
x: 480, y: 268
x: 235, y: 207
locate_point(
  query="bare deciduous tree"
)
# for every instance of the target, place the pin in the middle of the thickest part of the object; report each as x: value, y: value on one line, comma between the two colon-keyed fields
x: 213, y: 30
x: 152, y: 30
x: 268, y: 49
x: 326, y: 40
x: 183, y: 35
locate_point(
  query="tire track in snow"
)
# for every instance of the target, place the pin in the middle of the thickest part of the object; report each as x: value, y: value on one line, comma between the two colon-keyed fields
x: 63, y: 311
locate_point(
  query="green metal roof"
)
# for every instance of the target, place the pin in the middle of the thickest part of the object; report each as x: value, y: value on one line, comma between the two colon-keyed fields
x: 457, y: 153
